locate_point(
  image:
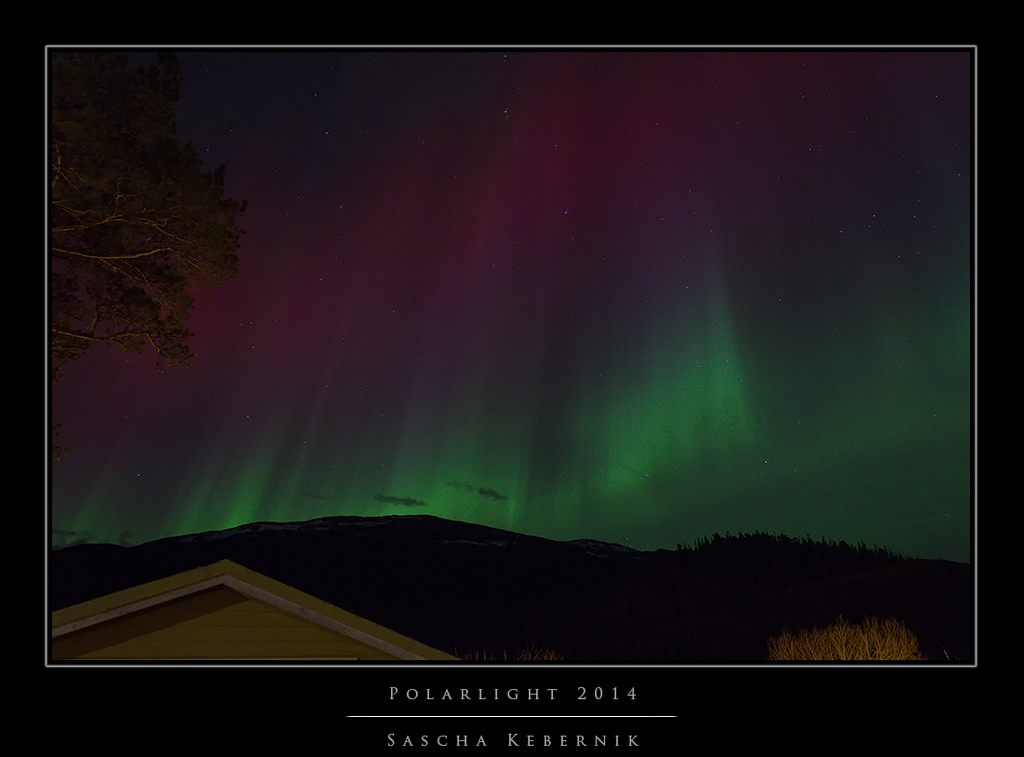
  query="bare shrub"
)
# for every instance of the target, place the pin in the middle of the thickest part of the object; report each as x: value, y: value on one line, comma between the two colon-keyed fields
x: 874, y: 639
x: 530, y: 653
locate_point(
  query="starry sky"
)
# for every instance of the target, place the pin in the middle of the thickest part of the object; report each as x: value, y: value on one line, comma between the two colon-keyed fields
x: 640, y: 296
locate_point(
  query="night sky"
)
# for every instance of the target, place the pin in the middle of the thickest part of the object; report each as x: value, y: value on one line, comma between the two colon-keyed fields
x: 636, y: 296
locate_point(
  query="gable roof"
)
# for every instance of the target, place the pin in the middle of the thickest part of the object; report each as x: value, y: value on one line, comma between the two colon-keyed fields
x: 223, y: 611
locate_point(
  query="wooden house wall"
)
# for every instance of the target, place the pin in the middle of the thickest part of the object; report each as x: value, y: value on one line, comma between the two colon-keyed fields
x: 218, y: 623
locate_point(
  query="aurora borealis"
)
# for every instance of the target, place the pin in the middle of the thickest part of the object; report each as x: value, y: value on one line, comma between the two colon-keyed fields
x: 631, y: 295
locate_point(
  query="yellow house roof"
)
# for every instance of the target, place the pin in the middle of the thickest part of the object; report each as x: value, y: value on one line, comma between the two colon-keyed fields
x: 223, y: 611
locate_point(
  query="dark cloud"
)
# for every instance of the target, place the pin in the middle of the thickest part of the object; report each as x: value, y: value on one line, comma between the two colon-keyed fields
x: 61, y: 538
x: 314, y: 495
x: 482, y: 491
x: 405, y: 501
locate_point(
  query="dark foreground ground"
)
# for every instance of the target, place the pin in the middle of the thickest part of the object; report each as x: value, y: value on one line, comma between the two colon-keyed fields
x: 477, y: 591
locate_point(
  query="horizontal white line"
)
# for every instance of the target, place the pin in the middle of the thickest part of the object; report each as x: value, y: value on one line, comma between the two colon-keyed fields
x: 441, y: 717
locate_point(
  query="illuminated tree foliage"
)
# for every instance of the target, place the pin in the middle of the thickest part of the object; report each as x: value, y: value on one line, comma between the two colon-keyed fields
x: 137, y: 225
